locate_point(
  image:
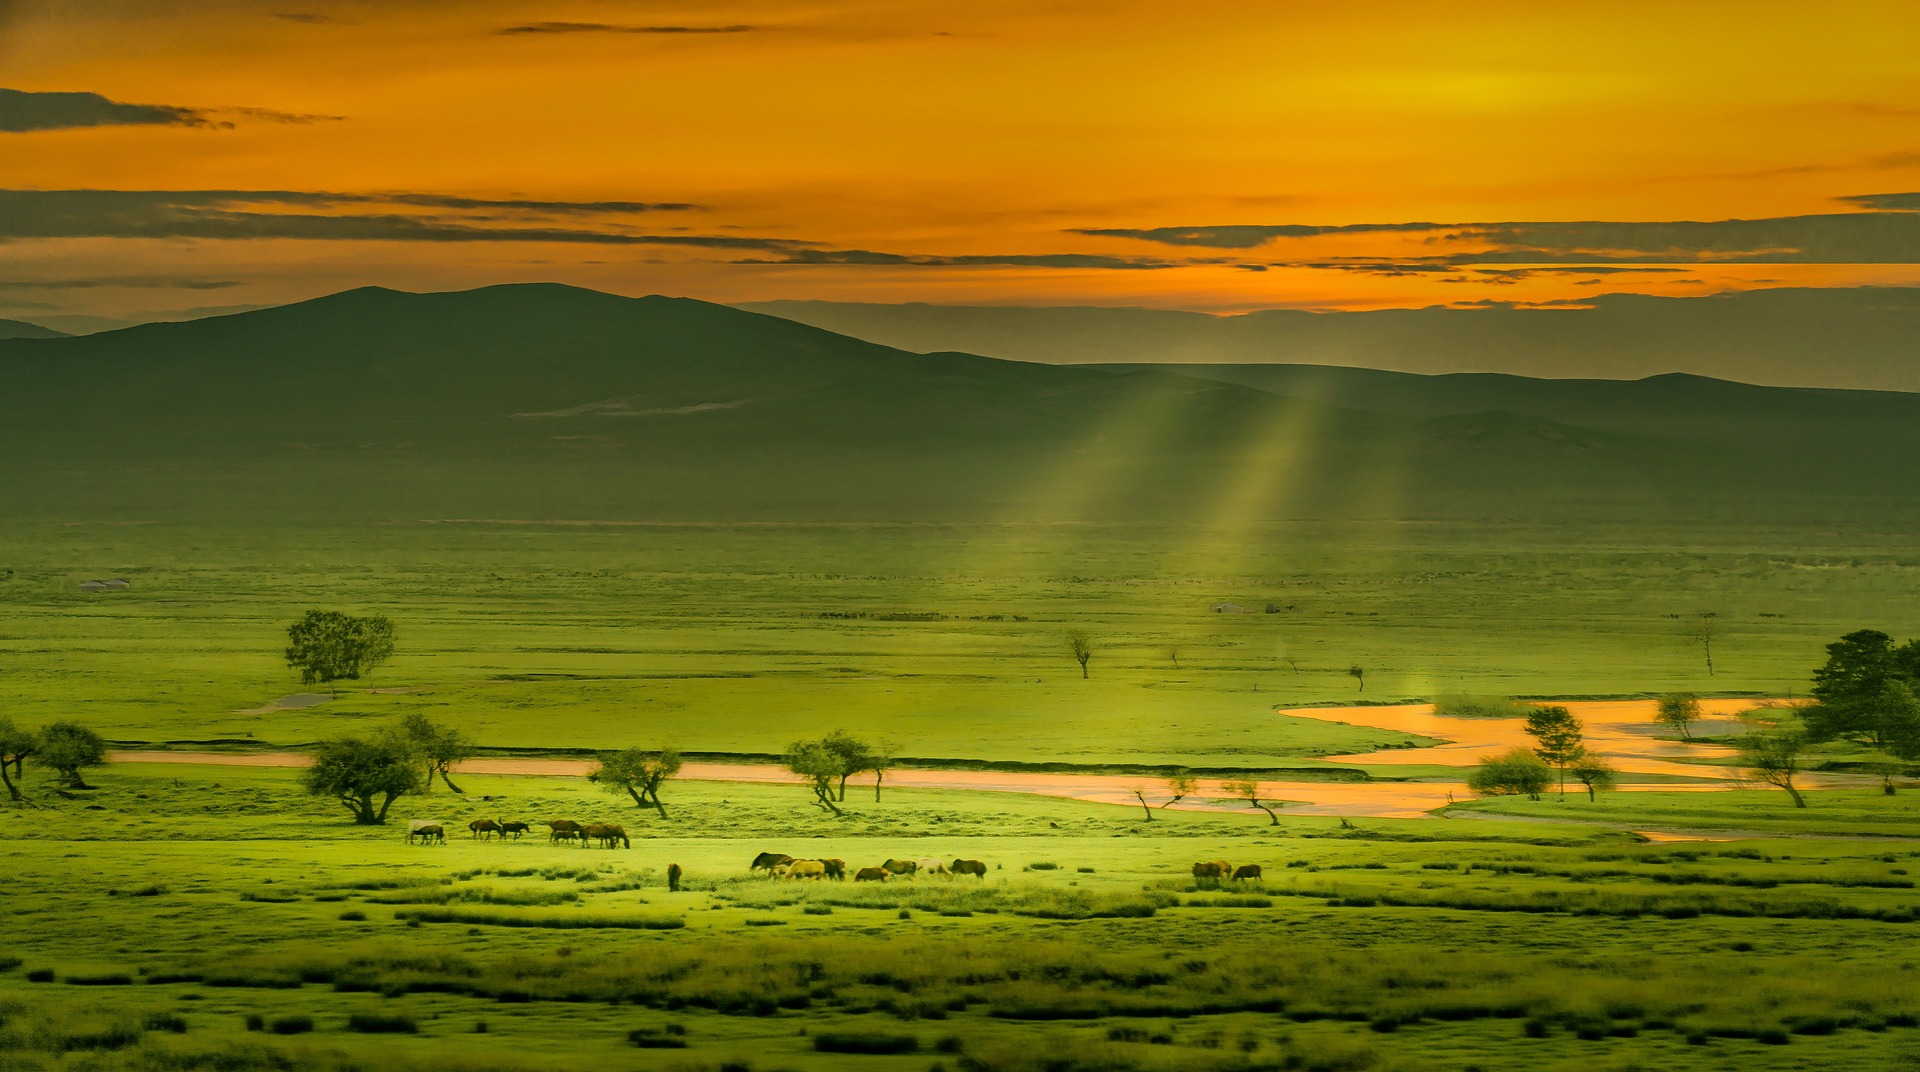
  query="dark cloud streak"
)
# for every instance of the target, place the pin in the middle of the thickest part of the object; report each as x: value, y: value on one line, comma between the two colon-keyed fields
x: 533, y: 29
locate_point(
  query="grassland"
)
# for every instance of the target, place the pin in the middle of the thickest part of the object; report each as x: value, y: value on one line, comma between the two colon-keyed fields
x: 152, y: 918
x: 946, y: 640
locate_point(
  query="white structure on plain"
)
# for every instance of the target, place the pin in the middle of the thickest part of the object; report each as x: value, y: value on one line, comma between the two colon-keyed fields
x: 1229, y: 608
x: 115, y: 585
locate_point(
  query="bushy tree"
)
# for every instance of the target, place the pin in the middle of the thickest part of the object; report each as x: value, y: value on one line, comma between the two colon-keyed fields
x: 327, y: 646
x: 1557, y: 738
x: 855, y: 755
x: 1772, y: 755
x: 639, y: 773
x: 66, y: 748
x: 820, y: 767
x: 1679, y: 712
x: 437, y: 747
x: 1592, y: 772
x: 357, y: 770
x: 1358, y: 673
x: 1511, y: 774
x: 16, y: 745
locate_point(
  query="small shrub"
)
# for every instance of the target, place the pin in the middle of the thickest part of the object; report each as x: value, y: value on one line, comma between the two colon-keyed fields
x: 256, y: 1022
x: 1084, y: 870
x: 371, y: 1023
x: 817, y: 910
x: 7, y: 964
x: 165, y: 1021
x: 1043, y: 867
x: 864, y: 1042
x: 648, y: 1038
x: 103, y: 979
x: 40, y: 975
x: 352, y: 915
x: 290, y: 1025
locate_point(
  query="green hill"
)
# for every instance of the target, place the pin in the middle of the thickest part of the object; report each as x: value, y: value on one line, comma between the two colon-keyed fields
x: 543, y: 401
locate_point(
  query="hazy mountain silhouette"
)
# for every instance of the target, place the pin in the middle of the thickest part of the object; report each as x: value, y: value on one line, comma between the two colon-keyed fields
x: 1862, y: 337
x: 20, y: 329
x: 544, y: 401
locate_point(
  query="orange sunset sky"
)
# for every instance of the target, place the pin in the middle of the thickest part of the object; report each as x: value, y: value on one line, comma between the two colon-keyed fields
x: 163, y: 157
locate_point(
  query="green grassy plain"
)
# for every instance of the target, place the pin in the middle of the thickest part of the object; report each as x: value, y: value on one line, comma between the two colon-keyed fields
x: 726, y: 638
x: 174, y: 902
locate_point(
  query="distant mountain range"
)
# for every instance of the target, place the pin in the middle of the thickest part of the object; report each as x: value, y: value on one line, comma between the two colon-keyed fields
x: 20, y: 329
x: 1864, y: 338
x: 549, y: 402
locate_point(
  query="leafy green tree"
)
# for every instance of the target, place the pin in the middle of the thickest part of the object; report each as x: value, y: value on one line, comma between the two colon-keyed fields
x: 356, y: 770
x: 1772, y: 755
x: 1679, y: 712
x: 1251, y: 791
x: 437, y: 747
x: 1358, y: 673
x: 855, y: 755
x: 1511, y: 774
x: 16, y: 745
x: 1592, y: 772
x: 1897, y: 714
x: 1557, y: 738
x: 327, y: 646
x: 820, y: 767
x: 639, y: 773
x: 66, y: 748
x: 1081, y: 645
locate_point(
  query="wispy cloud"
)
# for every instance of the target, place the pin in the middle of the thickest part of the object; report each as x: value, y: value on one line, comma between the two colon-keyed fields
x: 24, y: 112
x: 546, y: 28
x: 142, y: 282
x: 253, y: 214
x: 1009, y: 260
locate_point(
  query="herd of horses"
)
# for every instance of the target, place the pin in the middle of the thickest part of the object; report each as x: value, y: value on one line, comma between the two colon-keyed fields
x: 775, y: 864
x: 780, y: 865
x: 434, y: 831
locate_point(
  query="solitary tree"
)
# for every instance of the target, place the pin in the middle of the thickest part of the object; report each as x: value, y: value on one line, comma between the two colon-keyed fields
x: 879, y: 760
x: 1854, y: 694
x: 1704, y: 633
x: 1593, y: 772
x: 1358, y: 673
x: 1679, y: 712
x: 327, y: 646
x: 638, y: 773
x: 1139, y: 791
x: 1251, y: 791
x: 1082, y: 647
x: 356, y: 770
x: 1511, y: 774
x: 66, y: 747
x: 820, y: 767
x: 1557, y: 738
x: 1179, y: 785
x: 437, y: 747
x: 1173, y: 655
x: 1773, y: 756
x: 855, y: 756
x: 16, y: 745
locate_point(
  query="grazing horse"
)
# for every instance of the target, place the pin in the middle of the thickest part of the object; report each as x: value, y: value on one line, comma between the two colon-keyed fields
x: 836, y: 869
x: 512, y: 827
x: 930, y: 866
x: 673, y: 878
x: 1212, y: 869
x: 428, y: 831
x: 969, y: 867
x: 770, y: 860
x: 606, y: 834
x: 900, y: 867
x: 483, y: 826
x: 564, y: 830
x: 1247, y: 872
x: 871, y: 874
x: 799, y: 869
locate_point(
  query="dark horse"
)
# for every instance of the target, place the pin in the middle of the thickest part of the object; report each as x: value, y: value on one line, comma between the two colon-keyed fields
x: 564, y: 830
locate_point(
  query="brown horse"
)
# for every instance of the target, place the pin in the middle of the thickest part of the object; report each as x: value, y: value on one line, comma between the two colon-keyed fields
x: 429, y: 831
x: 969, y: 867
x: 836, y: 869
x: 483, y: 826
x: 1247, y: 873
x: 512, y: 827
x: 871, y: 874
x: 767, y: 861
x: 564, y: 830
x: 900, y: 867
x: 1213, y: 869
x: 606, y: 834
x: 673, y: 878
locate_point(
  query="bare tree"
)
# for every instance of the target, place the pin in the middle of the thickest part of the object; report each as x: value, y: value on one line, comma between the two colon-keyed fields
x: 1173, y: 654
x: 1179, y: 785
x: 1250, y: 790
x: 1082, y: 647
x: 1704, y: 632
x: 1139, y: 791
